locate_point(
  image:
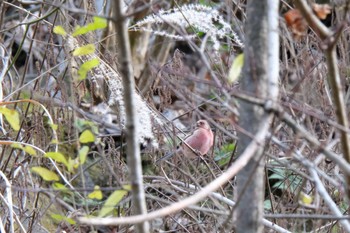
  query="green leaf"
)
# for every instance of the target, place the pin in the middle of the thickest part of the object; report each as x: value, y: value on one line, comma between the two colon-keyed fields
x: 224, y: 160
x: 11, y: 116
x: 343, y: 206
x: 45, y: 173
x: 58, y: 157
x: 96, y: 194
x: 225, y: 151
x: 72, y: 163
x: 336, y: 193
x: 60, y: 218
x: 54, y: 141
x: 86, y: 67
x: 80, y: 31
x: 59, y: 187
x: 83, y: 124
x: 236, y: 68
x: 277, y: 176
x: 280, y: 185
x: 98, y: 23
x: 87, y: 136
x: 267, y: 205
x: 83, y: 154
x: 30, y: 150
x: 112, y: 201
x: 53, y: 126
x: 305, y: 198
x: 59, y: 30
x: 84, y: 50
x: 127, y: 187
x: 223, y: 156
x: 17, y: 146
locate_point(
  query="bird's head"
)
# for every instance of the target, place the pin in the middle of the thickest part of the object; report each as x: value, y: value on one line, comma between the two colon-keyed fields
x: 203, y: 124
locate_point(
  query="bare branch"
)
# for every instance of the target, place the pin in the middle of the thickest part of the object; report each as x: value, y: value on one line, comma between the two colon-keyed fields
x: 243, y: 159
x: 133, y: 147
x: 334, y: 76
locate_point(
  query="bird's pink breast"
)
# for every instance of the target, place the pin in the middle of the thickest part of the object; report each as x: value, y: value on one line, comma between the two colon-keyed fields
x: 201, y: 140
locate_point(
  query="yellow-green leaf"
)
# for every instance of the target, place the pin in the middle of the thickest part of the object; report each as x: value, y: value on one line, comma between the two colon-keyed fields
x: 98, y: 23
x: 127, y: 187
x: 58, y: 157
x: 59, y: 30
x: 96, y: 194
x: 236, y: 68
x: 45, y: 173
x: 82, y: 124
x: 17, y: 146
x: 59, y: 187
x: 72, y: 163
x: 60, y: 218
x: 336, y: 193
x: 54, y: 141
x: 80, y: 31
x: 111, y: 202
x: 11, y: 116
x: 84, y: 50
x: 86, y: 67
x: 54, y: 126
x: 305, y: 198
x: 87, y: 136
x: 30, y: 150
x: 83, y: 154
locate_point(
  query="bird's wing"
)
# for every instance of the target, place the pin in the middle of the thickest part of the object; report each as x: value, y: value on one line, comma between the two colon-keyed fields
x: 197, y: 140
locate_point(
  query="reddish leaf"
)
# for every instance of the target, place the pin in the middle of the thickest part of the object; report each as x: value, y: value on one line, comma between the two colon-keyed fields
x: 321, y: 10
x: 296, y: 22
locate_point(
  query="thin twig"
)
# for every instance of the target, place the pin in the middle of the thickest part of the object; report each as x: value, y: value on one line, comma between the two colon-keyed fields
x: 243, y: 159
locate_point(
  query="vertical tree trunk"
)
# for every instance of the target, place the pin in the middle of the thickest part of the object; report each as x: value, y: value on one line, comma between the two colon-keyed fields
x: 133, y: 147
x: 260, y: 75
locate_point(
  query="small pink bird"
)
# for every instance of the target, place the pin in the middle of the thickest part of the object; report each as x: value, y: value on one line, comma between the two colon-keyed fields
x: 200, y: 141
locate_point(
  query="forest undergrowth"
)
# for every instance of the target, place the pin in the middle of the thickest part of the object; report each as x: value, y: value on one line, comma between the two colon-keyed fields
x: 63, y: 150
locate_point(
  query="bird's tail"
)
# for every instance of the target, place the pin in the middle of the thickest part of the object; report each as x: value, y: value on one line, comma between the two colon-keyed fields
x: 167, y: 155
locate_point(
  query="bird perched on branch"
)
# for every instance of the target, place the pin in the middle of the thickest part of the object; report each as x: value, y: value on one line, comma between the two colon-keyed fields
x: 198, y: 143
